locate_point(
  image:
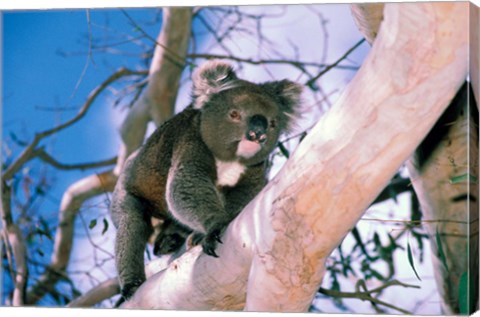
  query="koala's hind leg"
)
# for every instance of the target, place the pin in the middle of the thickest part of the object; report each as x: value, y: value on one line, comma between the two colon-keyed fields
x: 133, y: 230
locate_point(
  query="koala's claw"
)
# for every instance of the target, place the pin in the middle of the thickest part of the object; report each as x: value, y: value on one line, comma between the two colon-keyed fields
x: 210, y: 241
x: 209, y: 249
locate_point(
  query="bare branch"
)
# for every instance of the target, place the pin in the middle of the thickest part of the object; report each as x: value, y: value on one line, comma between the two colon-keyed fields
x: 310, y: 82
x: 29, y: 151
x: 72, y: 200
x: 367, y: 294
x: 15, y: 241
x: 47, y: 158
x: 172, y: 56
x: 297, y: 64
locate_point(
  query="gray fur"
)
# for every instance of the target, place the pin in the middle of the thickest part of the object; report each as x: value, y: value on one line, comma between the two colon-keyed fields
x: 189, y: 172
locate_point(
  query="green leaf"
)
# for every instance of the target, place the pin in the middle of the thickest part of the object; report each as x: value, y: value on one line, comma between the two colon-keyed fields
x: 410, y: 260
x: 465, y: 178
x: 283, y: 150
x: 92, y: 224
x: 463, y: 294
x: 441, y: 253
x: 105, y: 226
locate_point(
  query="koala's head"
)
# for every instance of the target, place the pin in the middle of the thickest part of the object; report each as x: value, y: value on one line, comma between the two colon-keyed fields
x: 241, y: 120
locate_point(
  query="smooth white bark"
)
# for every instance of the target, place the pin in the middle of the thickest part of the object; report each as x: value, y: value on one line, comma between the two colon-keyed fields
x: 475, y: 50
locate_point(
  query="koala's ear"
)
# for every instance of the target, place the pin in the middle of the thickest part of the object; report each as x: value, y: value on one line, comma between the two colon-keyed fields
x: 289, y: 98
x: 211, y: 78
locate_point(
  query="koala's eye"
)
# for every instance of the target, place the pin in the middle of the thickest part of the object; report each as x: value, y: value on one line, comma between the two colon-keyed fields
x: 273, y: 124
x: 235, y: 115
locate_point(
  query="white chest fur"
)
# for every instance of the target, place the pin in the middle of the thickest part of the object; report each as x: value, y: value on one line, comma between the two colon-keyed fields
x: 228, y: 173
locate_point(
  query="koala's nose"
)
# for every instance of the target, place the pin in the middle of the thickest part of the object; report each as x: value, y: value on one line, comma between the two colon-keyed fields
x: 257, y: 129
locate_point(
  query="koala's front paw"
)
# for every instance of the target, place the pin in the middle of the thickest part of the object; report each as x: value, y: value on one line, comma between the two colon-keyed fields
x: 211, y: 239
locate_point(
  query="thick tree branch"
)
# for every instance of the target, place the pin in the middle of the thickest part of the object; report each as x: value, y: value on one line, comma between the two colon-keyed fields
x: 14, y: 241
x: 157, y: 101
x: 102, y: 291
x: 274, y: 252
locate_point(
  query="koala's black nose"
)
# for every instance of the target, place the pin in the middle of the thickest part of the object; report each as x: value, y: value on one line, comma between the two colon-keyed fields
x: 257, y: 129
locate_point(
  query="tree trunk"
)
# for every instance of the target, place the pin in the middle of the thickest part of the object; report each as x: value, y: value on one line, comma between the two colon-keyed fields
x: 273, y: 255
x: 449, y: 151
x: 441, y: 172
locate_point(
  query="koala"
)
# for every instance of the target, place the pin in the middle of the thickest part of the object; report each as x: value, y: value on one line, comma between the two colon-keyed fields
x: 199, y: 169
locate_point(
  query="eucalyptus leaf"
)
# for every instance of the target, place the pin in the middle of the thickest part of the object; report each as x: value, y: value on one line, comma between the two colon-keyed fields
x: 92, y: 224
x: 410, y: 260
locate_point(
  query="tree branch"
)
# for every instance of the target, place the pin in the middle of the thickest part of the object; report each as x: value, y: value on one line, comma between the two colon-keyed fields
x: 15, y: 241
x: 367, y: 294
x: 72, y: 200
x: 300, y: 65
x: 310, y: 82
x: 47, y: 158
x: 29, y: 151
x: 99, y: 293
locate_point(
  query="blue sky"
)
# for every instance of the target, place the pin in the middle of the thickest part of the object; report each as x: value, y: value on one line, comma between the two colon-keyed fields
x: 44, y: 55
x: 36, y: 75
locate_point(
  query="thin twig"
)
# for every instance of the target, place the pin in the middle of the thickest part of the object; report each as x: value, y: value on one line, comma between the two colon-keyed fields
x: 298, y: 64
x: 344, y: 56
x: 367, y: 294
x: 172, y: 56
x: 89, y: 57
x: 47, y: 158
x: 29, y: 151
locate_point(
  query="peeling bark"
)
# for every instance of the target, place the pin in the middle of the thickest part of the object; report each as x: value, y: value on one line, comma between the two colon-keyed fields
x: 274, y: 252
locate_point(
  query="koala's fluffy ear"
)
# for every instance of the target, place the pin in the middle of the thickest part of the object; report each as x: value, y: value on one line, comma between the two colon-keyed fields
x: 288, y: 95
x: 211, y: 78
